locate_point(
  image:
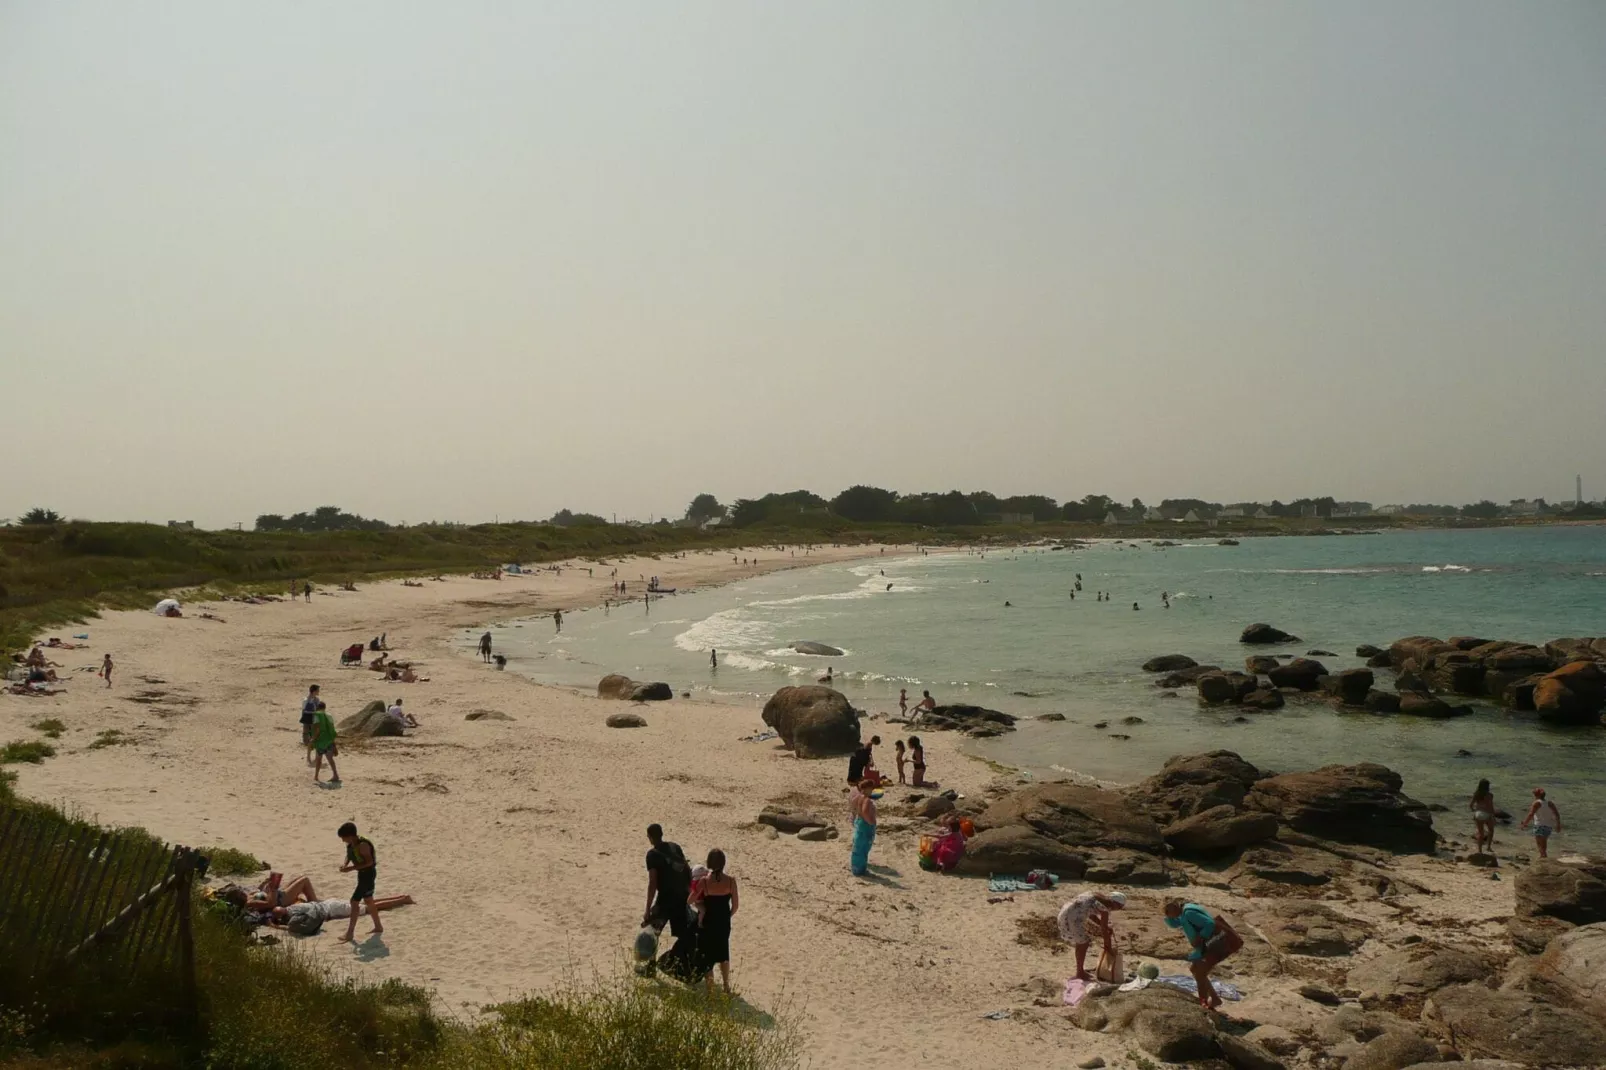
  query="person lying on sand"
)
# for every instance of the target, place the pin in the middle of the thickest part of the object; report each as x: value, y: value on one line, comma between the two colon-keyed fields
x: 328, y: 909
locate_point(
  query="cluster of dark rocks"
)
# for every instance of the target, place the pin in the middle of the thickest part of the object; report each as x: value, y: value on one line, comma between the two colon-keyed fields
x: 1563, y: 682
x: 617, y: 686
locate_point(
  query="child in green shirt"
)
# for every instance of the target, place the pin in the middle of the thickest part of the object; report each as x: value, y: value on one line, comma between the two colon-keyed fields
x: 323, y: 741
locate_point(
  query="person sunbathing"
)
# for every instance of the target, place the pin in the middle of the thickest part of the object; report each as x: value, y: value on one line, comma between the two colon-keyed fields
x: 328, y: 909
x: 273, y: 893
x: 378, y: 664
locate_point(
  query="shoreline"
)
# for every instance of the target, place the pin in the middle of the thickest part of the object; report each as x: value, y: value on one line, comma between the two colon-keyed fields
x: 522, y: 840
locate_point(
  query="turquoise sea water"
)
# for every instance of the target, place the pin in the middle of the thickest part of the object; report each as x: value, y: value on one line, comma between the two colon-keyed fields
x: 944, y: 626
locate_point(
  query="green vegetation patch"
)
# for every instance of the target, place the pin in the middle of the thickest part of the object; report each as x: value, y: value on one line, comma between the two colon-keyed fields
x: 51, y: 727
x: 228, y: 862
x: 108, y: 737
x: 26, y: 750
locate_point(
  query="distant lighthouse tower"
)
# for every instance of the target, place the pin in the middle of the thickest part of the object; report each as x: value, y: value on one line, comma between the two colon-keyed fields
x: 1578, y: 492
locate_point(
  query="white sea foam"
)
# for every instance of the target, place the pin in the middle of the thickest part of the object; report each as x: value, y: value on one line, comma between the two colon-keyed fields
x: 730, y: 628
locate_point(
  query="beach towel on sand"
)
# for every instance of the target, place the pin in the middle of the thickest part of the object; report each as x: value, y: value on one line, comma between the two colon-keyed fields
x: 1224, y: 989
x: 1013, y: 884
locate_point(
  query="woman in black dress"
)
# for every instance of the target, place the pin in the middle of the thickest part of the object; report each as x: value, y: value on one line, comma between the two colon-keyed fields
x: 716, y: 905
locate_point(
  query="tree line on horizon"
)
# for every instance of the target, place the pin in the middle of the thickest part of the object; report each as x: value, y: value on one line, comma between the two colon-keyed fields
x: 863, y: 504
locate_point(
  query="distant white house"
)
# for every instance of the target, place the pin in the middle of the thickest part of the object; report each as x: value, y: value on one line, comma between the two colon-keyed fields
x: 1112, y: 517
x: 712, y: 522
x: 1261, y: 514
x: 1524, y: 507
x: 1016, y: 518
x: 1153, y: 514
x: 1390, y: 510
x: 1191, y: 518
x: 1232, y: 513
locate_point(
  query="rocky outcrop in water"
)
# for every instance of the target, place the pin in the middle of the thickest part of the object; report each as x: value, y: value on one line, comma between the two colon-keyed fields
x: 1348, y: 804
x: 1168, y: 663
x: 973, y: 720
x: 1265, y: 634
x: 808, y: 646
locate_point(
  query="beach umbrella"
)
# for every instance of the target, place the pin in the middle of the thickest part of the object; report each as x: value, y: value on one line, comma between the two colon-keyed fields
x: 164, y: 605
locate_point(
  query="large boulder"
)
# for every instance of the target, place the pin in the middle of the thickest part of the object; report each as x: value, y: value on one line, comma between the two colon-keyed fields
x: 1394, y: 1049
x: 1351, y: 686
x: 1217, y: 688
x: 1263, y: 698
x: 1416, y: 648
x: 1301, y: 927
x: 1367, y: 650
x: 655, y: 692
x: 1418, y: 971
x: 1219, y: 828
x: 1455, y: 671
x: 1573, y: 694
x: 1520, y: 659
x: 815, y: 721
x: 1572, y: 891
x: 1382, y: 702
x: 1168, y: 663
x: 369, y: 722
x: 1532, y: 934
x: 1075, y: 816
x: 1193, y: 783
x: 1573, y: 968
x: 808, y: 646
x: 1164, y: 1021
x: 1019, y: 849
x: 1510, y: 1024
x: 625, y: 720
x: 1260, y: 664
x: 1265, y: 635
x: 1274, y: 869
x: 615, y: 685
x: 1349, y: 804
x: 1303, y: 674
x: 1562, y: 651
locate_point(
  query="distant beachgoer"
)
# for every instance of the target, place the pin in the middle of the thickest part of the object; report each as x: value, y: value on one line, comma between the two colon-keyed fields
x: 1080, y: 917
x: 1210, y: 947
x: 917, y: 758
x: 903, y: 702
x: 828, y: 677
x: 308, y: 590
x: 400, y: 716
x: 901, y: 757
x: 717, y: 901
x: 668, y: 888
x: 360, y: 857
x: 1546, y: 821
x: 1134, y: 605
x: 323, y: 741
x: 861, y: 763
x: 557, y: 618
x: 925, y: 705
x: 106, y: 668
x: 309, y: 718
x: 889, y: 586
x: 1483, y: 809
x: 713, y: 658
x: 861, y: 803
x: 383, y: 636
x: 1007, y: 604
x: 501, y: 661
x: 485, y: 647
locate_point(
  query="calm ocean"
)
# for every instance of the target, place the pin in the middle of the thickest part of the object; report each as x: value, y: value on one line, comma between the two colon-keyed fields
x: 943, y: 625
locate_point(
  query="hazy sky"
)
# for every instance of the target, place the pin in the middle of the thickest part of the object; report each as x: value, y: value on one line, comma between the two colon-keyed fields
x: 456, y: 260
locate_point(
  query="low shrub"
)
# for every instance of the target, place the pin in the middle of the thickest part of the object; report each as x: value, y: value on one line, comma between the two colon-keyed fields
x: 26, y: 750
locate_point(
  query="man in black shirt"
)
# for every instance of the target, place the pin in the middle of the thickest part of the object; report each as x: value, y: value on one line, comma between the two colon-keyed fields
x: 668, y: 889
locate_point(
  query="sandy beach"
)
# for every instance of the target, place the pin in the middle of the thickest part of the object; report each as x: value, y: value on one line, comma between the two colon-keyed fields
x: 523, y: 839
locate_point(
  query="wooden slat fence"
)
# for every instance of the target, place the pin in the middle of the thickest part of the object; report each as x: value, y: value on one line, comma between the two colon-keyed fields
x: 72, y: 895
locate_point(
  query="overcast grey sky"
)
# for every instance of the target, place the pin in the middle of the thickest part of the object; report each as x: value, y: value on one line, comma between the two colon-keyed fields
x: 457, y: 260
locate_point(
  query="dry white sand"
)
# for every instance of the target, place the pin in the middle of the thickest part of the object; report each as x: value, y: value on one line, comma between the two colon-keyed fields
x: 523, y: 840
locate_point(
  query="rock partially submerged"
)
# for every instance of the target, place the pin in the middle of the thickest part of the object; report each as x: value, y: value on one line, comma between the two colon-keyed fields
x: 1265, y: 635
x: 1169, y: 663
x: 808, y: 646
x: 615, y: 685
x: 973, y: 719
x: 814, y: 721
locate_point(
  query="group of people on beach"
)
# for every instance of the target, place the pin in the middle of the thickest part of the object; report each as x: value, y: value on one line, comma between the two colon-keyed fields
x: 295, y: 905
x: 1211, y: 938
x: 1542, y: 815
x: 696, y: 904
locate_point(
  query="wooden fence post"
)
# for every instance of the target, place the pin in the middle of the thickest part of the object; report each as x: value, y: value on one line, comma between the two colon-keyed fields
x: 185, y: 890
